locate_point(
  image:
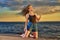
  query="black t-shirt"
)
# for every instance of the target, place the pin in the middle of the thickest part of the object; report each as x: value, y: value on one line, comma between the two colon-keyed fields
x: 32, y: 18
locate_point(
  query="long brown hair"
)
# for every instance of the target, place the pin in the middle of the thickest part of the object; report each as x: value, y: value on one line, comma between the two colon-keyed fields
x: 25, y: 10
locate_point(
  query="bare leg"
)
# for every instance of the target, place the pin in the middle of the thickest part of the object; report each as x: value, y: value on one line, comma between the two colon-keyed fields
x: 35, y: 34
x: 23, y: 35
x: 27, y: 33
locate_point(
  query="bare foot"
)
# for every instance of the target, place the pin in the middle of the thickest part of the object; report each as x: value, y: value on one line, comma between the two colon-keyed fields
x: 23, y: 35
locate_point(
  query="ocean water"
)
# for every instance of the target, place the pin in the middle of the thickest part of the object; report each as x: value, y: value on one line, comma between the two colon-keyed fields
x: 45, y: 29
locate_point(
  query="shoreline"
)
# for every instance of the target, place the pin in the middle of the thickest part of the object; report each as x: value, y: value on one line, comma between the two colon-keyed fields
x: 17, y: 37
x: 24, y: 21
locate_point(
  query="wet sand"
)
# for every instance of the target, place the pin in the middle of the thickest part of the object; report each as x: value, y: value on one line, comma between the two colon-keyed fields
x: 17, y: 37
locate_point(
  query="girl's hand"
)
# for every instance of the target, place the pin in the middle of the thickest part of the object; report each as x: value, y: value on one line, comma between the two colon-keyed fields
x: 25, y: 29
x: 38, y: 17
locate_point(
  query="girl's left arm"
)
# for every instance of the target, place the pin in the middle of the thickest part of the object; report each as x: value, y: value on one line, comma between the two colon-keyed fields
x: 38, y: 17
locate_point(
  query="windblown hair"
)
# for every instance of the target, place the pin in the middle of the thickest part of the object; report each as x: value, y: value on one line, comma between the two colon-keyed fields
x: 25, y: 10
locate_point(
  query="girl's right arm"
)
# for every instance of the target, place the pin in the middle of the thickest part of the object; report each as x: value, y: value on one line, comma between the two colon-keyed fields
x: 26, y: 21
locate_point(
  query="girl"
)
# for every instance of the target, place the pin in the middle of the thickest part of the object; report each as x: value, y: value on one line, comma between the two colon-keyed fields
x: 31, y: 21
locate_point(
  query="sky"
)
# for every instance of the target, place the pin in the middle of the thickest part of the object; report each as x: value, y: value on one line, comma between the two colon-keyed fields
x: 28, y: 0
x: 10, y: 4
x: 7, y: 2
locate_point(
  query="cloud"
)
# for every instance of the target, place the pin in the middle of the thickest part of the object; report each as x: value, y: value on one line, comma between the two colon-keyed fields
x: 4, y: 9
x: 16, y: 4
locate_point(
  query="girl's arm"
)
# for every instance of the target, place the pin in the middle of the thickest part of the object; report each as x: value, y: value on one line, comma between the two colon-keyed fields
x: 26, y: 21
x: 38, y: 17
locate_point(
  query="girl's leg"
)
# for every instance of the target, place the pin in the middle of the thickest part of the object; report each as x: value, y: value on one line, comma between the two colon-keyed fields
x: 35, y: 30
x: 23, y: 35
x: 27, y: 33
x: 35, y: 34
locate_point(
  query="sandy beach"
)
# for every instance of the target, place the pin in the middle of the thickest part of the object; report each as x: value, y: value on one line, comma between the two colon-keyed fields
x: 17, y: 37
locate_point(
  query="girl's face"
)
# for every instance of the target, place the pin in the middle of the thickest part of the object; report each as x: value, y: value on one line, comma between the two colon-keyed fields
x: 30, y: 8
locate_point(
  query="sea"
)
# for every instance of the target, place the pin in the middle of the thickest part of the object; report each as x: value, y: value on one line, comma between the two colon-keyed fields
x: 45, y: 29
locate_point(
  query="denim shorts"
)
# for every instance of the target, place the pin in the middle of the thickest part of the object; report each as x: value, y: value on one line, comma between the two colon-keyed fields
x: 32, y: 26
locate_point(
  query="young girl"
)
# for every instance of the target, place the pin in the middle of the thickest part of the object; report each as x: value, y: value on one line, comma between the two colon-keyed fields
x: 31, y: 21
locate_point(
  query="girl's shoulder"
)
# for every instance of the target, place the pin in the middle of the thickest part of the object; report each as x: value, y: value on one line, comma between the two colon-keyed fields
x: 27, y: 15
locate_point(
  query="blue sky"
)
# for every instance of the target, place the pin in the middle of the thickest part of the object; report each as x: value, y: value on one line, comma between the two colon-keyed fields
x: 4, y: 3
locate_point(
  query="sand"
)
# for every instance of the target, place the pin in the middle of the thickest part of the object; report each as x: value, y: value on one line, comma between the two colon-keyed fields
x: 17, y: 37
